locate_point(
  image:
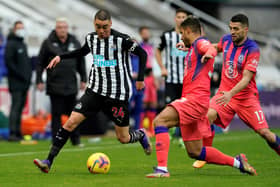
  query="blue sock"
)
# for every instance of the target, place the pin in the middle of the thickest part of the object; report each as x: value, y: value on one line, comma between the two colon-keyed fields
x: 202, y: 154
x: 160, y: 129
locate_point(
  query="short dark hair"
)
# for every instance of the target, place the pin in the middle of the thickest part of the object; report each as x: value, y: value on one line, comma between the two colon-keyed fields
x: 143, y: 28
x: 193, y: 23
x: 17, y: 22
x: 243, y: 19
x: 102, y: 15
x: 181, y: 10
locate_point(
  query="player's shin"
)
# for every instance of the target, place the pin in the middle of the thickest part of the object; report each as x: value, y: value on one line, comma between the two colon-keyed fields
x: 59, y: 141
x: 214, y: 156
x: 162, y: 146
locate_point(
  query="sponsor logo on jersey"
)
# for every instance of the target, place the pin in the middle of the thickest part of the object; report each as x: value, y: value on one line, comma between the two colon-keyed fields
x: 99, y: 61
x: 177, y: 53
x: 231, y: 70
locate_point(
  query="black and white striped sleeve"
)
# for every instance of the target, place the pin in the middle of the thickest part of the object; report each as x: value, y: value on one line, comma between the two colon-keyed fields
x: 83, y: 51
x: 134, y: 48
x: 162, y: 43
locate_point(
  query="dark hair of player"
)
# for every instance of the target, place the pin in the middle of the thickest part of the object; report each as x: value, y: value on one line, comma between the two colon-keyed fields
x: 143, y: 28
x: 102, y: 15
x: 17, y: 22
x: 241, y: 18
x: 193, y: 23
x: 181, y: 10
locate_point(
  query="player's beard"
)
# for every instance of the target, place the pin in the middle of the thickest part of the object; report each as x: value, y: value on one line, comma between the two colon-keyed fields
x: 237, y: 39
x: 187, y: 43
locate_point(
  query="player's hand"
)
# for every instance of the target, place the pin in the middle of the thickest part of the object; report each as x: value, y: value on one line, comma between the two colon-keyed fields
x: 40, y: 87
x: 205, y: 58
x: 140, y: 85
x: 164, y: 72
x: 83, y: 85
x: 181, y: 46
x: 53, y: 62
x: 224, y: 99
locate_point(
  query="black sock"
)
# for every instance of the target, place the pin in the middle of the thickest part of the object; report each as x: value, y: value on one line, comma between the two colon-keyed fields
x: 135, y: 135
x: 59, y: 141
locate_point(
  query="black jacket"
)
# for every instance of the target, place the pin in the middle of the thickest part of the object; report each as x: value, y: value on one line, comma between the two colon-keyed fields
x: 62, y: 79
x: 18, y: 64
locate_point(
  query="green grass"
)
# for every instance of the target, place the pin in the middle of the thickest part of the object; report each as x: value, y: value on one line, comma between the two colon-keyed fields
x: 129, y: 165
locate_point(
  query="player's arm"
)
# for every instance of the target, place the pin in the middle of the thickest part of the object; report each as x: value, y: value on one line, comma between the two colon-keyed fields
x: 206, y: 49
x: 243, y: 83
x: 134, y: 48
x: 219, y: 45
x: 83, y: 51
x: 161, y: 46
x: 219, y: 49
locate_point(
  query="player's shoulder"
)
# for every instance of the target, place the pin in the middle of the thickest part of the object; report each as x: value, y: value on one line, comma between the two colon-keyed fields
x: 201, y: 41
x: 119, y: 34
x: 252, y: 45
x: 168, y: 31
x: 226, y: 37
x: 91, y: 34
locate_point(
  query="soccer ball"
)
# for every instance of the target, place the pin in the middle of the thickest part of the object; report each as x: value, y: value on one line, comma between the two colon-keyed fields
x: 98, y: 163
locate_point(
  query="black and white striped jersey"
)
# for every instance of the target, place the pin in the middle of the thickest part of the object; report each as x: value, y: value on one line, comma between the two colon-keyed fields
x: 174, y: 58
x: 111, y: 70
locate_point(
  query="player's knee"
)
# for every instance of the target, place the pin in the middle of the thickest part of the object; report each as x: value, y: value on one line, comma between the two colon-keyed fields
x: 212, y: 116
x: 71, y: 124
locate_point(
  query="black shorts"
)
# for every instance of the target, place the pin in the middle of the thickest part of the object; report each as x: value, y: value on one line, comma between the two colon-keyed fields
x: 91, y: 103
x: 172, y: 92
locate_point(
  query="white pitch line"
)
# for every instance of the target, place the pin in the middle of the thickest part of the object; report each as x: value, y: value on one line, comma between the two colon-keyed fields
x: 67, y: 150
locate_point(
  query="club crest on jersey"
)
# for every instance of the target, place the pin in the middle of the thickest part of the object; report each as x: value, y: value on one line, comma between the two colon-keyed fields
x: 78, y: 106
x: 231, y: 70
x: 113, y: 47
x: 240, y: 59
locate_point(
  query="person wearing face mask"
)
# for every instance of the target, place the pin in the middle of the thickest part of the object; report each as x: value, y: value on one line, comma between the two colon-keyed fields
x: 61, y: 84
x: 19, y: 77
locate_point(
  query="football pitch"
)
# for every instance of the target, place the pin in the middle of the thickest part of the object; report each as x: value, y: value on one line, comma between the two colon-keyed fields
x: 129, y: 164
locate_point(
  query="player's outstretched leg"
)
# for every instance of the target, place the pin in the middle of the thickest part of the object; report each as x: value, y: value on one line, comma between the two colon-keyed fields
x: 206, y: 142
x: 214, y: 156
x: 59, y: 141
